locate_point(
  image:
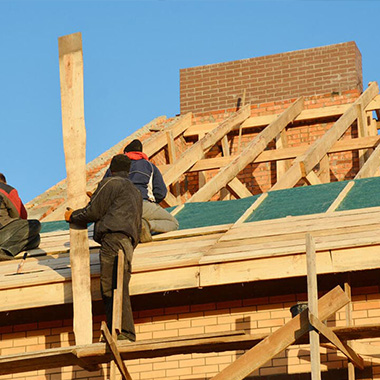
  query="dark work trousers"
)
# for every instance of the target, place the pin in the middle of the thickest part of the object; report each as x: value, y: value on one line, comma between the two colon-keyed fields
x: 110, y: 245
x: 20, y: 235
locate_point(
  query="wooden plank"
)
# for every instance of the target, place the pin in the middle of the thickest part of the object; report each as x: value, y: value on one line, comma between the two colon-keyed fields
x: 224, y: 193
x: 347, y: 289
x: 250, y: 210
x: 158, y: 140
x: 281, y: 143
x: 217, y: 272
x: 312, y: 301
x: 362, y: 131
x: 216, y: 342
x: 74, y: 141
x: 238, y: 189
x: 284, y: 154
x: 338, y: 200
x: 115, y: 352
x: 312, y: 178
x: 252, y: 150
x: 196, y: 151
x: 172, y: 158
x: 331, y: 336
x: 260, y: 121
x: 320, y: 147
x: 371, y: 166
x: 374, y: 104
x: 324, y: 169
x: 281, y: 338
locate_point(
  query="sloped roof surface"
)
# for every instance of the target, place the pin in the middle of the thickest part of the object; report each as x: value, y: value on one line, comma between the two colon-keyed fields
x: 305, y: 200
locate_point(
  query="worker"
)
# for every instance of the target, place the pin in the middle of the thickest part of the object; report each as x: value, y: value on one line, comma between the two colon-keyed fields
x: 116, y: 209
x: 17, y: 233
x: 148, y: 179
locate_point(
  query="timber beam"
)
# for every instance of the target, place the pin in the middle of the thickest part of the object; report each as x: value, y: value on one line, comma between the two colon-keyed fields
x: 88, y: 356
x: 196, y: 151
x: 305, y: 163
x: 252, y: 150
x: 282, y: 338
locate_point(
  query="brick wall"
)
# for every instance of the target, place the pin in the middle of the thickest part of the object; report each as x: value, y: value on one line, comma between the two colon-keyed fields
x: 327, y: 69
x: 261, y: 177
x: 257, y: 315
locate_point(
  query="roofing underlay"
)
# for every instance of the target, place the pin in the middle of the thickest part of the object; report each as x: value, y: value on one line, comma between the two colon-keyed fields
x: 305, y: 200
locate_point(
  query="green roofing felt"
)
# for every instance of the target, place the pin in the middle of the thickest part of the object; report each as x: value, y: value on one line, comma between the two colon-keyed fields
x: 203, y: 214
x: 60, y: 225
x: 278, y: 204
x: 297, y: 201
x: 365, y: 193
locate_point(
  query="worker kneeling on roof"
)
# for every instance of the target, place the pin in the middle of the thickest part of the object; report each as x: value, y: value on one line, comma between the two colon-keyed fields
x: 116, y: 209
x: 17, y: 233
x: 148, y: 179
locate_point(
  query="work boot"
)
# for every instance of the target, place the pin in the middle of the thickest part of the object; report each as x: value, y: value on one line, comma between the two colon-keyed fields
x: 4, y: 256
x: 145, y: 235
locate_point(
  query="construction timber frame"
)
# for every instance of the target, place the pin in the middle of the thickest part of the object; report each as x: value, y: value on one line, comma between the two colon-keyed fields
x: 303, y: 246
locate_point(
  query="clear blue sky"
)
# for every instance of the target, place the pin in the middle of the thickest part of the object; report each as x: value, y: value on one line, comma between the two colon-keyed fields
x: 133, y: 51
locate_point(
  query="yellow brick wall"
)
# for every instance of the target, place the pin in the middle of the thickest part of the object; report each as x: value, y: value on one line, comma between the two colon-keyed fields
x: 255, y: 315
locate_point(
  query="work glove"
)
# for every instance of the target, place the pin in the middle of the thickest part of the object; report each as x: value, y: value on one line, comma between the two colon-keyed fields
x: 68, y: 213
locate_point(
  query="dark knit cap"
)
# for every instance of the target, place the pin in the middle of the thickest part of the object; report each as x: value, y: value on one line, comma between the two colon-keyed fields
x: 120, y: 163
x: 134, y: 146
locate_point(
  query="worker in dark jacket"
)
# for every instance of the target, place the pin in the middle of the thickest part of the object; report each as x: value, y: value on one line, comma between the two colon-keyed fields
x: 148, y: 179
x: 116, y: 208
x: 17, y: 233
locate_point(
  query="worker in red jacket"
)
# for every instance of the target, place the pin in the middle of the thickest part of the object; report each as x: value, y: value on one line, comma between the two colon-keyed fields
x: 17, y: 233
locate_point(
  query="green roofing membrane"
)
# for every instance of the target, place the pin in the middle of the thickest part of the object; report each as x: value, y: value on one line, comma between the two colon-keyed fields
x: 303, y: 200
x: 297, y: 201
x: 203, y: 214
x: 365, y: 193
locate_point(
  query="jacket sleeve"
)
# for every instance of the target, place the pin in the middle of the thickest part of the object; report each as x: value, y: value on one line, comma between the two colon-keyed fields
x: 96, y: 208
x: 159, y: 187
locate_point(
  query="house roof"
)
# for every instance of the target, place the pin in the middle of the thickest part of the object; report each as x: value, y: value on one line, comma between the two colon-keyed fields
x: 250, y: 238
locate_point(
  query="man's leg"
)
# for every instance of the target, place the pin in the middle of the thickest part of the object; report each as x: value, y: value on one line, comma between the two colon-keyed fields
x: 159, y: 219
x: 110, y: 245
x: 20, y: 235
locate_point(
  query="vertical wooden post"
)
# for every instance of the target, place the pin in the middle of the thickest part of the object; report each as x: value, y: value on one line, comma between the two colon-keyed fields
x: 283, y: 165
x: 240, y: 127
x: 362, y: 132
x: 312, y: 299
x: 324, y: 169
x: 347, y: 289
x: 172, y: 157
x: 224, y: 193
x: 74, y: 142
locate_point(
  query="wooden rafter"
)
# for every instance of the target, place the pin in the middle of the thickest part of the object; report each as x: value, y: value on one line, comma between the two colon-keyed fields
x: 196, y: 151
x: 252, y: 150
x: 371, y: 166
x: 156, y: 142
x: 305, y: 163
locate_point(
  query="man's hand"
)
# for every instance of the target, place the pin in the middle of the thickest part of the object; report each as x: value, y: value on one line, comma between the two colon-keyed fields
x: 68, y: 213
